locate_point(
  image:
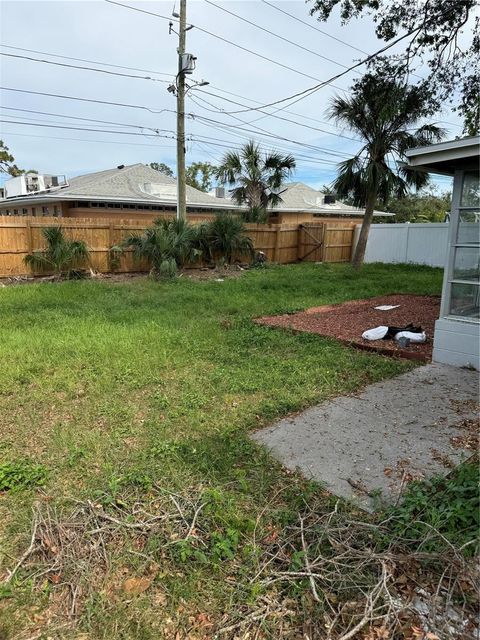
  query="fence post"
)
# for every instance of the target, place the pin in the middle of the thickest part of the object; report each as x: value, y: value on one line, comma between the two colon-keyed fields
x: 299, y: 240
x: 29, y: 236
x: 276, y: 251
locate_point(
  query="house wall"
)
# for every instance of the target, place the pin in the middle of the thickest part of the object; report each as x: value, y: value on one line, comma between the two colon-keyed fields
x: 38, y: 210
x: 457, y: 343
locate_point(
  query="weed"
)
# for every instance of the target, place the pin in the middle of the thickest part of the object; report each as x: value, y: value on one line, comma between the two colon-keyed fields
x: 21, y: 474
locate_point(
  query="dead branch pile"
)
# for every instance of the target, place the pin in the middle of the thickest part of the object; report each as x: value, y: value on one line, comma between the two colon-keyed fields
x: 74, y: 552
x: 367, y: 593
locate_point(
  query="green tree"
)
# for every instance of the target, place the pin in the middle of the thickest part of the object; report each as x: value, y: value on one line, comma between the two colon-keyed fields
x: 383, y: 112
x: 200, y: 175
x: 256, y: 177
x: 162, y: 167
x: 443, y: 33
x: 7, y: 162
x: 62, y: 256
x: 426, y: 206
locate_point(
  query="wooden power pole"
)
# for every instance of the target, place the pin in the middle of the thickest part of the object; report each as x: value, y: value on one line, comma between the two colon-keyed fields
x: 181, y: 189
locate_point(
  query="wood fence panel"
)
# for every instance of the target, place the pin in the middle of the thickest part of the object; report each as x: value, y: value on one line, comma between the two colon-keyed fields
x: 338, y: 243
x: 282, y: 243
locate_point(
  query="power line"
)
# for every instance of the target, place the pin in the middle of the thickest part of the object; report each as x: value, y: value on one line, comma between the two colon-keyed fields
x: 268, y: 134
x: 136, y: 144
x: 74, y: 66
x: 108, y: 64
x: 273, y: 115
x: 135, y: 106
x: 325, y: 33
x: 66, y: 97
x: 125, y: 133
x: 276, y: 35
x: 62, y: 115
x: 104, y: 64
x: 218, y: 37
x: 300, y: 95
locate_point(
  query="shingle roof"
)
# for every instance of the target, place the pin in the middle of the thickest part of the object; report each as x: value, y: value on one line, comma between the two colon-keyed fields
x: 136, y: 182
x: 297, y: 196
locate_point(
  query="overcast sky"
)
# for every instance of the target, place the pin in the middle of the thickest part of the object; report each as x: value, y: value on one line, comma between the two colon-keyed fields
x: 106, y: 33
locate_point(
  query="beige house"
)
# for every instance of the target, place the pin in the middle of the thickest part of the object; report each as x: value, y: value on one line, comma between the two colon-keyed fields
x: 142, y: 192
x: 124, y: 192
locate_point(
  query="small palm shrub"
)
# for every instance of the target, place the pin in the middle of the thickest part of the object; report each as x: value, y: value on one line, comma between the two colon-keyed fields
x: 167, y: 245
x: 62, y: 256
x: 224, y: 238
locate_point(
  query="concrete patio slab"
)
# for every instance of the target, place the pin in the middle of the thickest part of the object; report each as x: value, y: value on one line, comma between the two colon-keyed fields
x: 391, y: 432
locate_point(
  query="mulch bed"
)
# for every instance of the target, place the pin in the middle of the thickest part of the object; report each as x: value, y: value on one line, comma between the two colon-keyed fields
x: 346, y: 322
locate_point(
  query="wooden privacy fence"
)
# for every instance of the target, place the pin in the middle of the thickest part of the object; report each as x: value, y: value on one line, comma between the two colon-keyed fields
x: 282, y: 243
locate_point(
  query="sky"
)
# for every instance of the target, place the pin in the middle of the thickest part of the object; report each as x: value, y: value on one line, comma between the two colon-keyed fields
x: 139, y: 44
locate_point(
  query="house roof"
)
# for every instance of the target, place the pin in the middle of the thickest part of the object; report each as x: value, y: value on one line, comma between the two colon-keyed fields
x: 445, y: 157
x: 132, y: 183
x: 297, y: 196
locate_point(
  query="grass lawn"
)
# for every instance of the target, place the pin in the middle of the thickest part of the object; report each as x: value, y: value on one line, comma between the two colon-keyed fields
x: 138, y: 397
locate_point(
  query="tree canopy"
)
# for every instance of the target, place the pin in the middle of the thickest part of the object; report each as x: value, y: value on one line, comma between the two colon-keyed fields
x: 7, y: 162
x: 444, y: 34
x: 256, y: 178
x: 200, y: 175
x: 162, y: 167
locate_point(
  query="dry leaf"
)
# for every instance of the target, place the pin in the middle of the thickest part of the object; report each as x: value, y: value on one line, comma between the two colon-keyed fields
x: 135, y: 586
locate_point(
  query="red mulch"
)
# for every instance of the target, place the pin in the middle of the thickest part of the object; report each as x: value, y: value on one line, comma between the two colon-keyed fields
x: 349, y: 320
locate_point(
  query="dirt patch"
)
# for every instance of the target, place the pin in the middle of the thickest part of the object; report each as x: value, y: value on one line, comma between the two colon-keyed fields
x: 347, y: 321
x: 202, y: 274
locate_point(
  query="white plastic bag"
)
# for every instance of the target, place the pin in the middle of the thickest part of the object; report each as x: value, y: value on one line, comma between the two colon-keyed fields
x: 413, y: 337
x: 375, y: 334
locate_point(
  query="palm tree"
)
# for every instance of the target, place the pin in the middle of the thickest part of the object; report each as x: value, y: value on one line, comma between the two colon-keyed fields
x: 167, y: 245
x: 256, y: 177
x: 224, y: 238
x: 62, y: 256
x: 383, y: 112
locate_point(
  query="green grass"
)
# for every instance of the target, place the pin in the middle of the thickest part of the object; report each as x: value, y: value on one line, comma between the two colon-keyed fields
x: 116, y: 387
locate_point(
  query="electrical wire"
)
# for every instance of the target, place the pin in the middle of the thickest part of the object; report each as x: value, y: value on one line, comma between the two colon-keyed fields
x: 74, y: 66
x: 104, y: 64
x: 276, y: 35
x: 218, y: 37
x: 325, y: 33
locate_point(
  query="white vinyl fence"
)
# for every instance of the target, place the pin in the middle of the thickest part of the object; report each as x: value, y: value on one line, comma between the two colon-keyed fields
x: 408, y: 242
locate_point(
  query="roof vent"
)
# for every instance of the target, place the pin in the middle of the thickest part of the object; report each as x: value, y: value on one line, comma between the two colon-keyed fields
x: 220, y: 192
x: 329, y: 199
x: 121, y: 166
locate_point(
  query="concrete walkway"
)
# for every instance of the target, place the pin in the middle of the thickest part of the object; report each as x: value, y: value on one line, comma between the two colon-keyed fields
x: 381, y: 438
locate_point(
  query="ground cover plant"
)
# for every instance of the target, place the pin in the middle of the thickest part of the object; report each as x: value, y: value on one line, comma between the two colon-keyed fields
x: 152, y: 514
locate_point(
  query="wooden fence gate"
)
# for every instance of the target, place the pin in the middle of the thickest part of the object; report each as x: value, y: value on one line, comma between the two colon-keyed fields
x: 320, y: 242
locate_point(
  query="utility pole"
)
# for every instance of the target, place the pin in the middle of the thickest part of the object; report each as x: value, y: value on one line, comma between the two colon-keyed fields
x: 181, y: 189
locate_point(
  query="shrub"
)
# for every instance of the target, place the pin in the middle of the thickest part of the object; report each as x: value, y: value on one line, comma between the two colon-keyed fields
x: 21, y: 474
x: 447, y: 506
x: 224, y: 238
x: 167, y: 245
x: 62, y: 256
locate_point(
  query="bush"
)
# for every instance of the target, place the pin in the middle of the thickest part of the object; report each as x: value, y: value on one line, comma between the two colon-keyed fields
x: 167, y: 245
x: 447, y: 506
x: 62, y: 256
x: 224, y: 238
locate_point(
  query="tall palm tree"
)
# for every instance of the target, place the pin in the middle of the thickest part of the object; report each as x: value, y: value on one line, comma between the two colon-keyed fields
x: 256, y: 177
x: 383, y: 111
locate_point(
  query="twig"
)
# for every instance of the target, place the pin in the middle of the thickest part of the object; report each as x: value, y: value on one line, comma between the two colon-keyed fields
x: 307, y: 564
x: 27, y: 553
